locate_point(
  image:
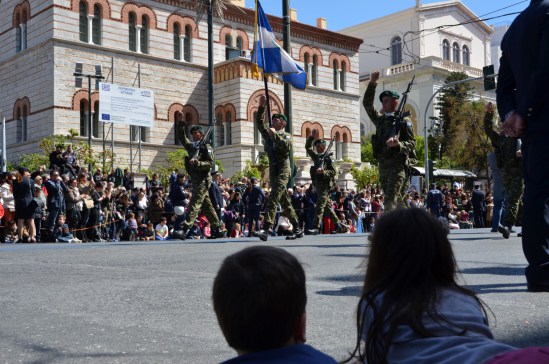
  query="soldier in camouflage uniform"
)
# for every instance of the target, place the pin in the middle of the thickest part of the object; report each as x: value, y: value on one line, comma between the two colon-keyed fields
x: 392, y: 146
x: 508, y: 157
x: 199, y: 171
x: 323, y: 180
x: 280, y: 144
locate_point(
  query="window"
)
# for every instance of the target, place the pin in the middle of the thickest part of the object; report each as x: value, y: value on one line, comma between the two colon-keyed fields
x: 306, y: 61
x: 315, y: 70
x: 339, y: 147
x: 96, y: 25
x: 83, y: 22
x: 335, y: 65
x: 178, y: 128
x: 342, y: 76
x: 455, y: 53
x: 396, y: 51
x: 258, y: 138
x: 445, y: 50
x: 144, y: 34
x: 465, y: 56
x: 220, y: 128
x: 21, y: 32
x: 176, y: 41
x: 228, y: 129
x: 21, y: 128
x: 134, y: 130
x: 239, y: 44
x: 132, y: 27
x: 187, y: 44
x: 84, y: 119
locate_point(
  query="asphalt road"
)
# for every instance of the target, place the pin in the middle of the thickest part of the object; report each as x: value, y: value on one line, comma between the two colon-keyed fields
x: 151, y: 302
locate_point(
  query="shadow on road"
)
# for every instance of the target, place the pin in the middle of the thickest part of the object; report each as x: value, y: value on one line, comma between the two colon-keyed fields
x: 355, y: 291
x: 498, y: 288
x: 502, y: 271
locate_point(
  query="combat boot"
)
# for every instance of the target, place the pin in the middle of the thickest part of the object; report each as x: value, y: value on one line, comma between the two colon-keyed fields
x: 313, y: 231
x: 217, y: 233
x: 261, y: 234
x: 298, y: 233
x: 180, y: 234
x: 505, y: 231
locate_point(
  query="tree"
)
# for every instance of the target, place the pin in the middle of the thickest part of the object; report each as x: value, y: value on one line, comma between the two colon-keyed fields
x: 450, y: 106
x: 249, y: 171
x: 368, y: 175
x: 366, y: 151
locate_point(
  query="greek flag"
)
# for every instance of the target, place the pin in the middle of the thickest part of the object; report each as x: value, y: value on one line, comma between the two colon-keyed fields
x: 270, y: 57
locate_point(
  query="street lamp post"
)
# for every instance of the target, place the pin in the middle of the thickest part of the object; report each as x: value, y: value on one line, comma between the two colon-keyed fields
x: 97, y: 76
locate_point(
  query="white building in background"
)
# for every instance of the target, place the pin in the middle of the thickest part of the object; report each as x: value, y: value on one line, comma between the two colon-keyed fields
x: 499, y: 32
x: 161, y: 47
x: 428, y: 41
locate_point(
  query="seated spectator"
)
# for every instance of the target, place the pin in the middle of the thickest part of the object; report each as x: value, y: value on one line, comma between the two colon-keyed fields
x: 412, y: 309
x: 131, y: 227
x: 267, y: 326
x: 62, y: 232
x: 207, y: 229
x: 195, y: 232
x: 150, y: 233
x: 162, y: 230
x: 11, y: 233
x: 236, y: 232
x: 283, y: 226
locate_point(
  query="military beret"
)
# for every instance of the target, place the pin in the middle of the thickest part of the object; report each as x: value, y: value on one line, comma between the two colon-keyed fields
x: 197, y: 127
x: 281, y: 116
x: 319, y: 141
x: 392, y: 94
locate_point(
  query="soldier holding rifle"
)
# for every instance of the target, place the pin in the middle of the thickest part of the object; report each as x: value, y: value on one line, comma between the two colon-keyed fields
x: 323, y: 174
x: 393, y: 143
x: 198, y: 164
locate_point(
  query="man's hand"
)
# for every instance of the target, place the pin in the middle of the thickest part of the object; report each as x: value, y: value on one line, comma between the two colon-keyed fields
x: 271, y: 131
x: 489, y: 107
x: 194, y: 161
x: 514, y: 125
x: 315, y: 133
x: 319, y: 171
x: 374, y: 77
x: 393, y: 142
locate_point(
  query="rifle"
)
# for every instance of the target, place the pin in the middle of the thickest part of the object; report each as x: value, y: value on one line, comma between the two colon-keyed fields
x: 400, y: 113
x: 199, y: 144
x: 326, y: 153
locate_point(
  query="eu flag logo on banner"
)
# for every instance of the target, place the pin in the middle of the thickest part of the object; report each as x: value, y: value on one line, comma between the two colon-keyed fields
x: 270, y: 57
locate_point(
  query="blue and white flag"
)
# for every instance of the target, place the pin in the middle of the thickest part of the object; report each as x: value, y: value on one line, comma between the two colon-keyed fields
x: 269, y: 55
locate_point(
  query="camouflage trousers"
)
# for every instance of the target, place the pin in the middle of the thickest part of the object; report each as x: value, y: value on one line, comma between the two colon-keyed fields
x: 200, y: 201
x: 279, y: 195
x: 514, y: 186
x: 324, y: 206
x: 392, y: 175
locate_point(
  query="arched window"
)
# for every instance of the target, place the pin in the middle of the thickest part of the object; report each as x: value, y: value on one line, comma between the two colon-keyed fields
x: 176, y: 41
x: 83, y: 21
x: 455, y: 53
x: 84, y: 118
x: 306, y: 61
x: 95, y: 120
x: 144, y: 34
x: 132, y: 28
x: 239, y: 44
x: 335, y: 65
x: 445, y: 50
x: 258, y: 138
x: 339, y: 147
x: 21, y: 130
x: 396, y: 51
x: 178, y: 128
x: 221, y: 129
x: 465, y: 56
x: 228, y: 129
x: 96, y: 25
x: 187, y: 44
x: 315, y: 70
x: 342, y: 76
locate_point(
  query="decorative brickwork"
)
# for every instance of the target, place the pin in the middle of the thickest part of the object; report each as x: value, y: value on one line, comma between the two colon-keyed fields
x: 341, y: 59
x: 139, y: 12
x: 308, y: 127
x: 21, y: 13
x: 253, y: 104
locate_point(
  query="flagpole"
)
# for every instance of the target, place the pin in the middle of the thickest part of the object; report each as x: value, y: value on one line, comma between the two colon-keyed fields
x: 272, y: 156
x: 4, y: 159
x: 287, y: 86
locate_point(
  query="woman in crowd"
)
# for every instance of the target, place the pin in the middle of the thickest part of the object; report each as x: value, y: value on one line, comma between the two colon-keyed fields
x: 75, y: 204
x: 6, y: 190
x: 85, y: 188
x: 23, y: 193
x: 412, y: 309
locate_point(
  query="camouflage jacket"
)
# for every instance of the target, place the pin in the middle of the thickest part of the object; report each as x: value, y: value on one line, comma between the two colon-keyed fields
x: 281, y: 143
x: 504, y: 147
x: 326, y: 179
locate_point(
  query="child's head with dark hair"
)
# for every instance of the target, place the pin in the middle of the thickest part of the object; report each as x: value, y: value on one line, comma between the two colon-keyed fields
x: 259, y: 298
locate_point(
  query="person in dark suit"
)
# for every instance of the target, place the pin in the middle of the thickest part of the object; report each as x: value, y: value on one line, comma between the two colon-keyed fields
x: 434, y: 200
x: 216, y: 196
x: 254, y: 197
x: 523, y: 104
x: 23, y: 197
x: 479, y: 206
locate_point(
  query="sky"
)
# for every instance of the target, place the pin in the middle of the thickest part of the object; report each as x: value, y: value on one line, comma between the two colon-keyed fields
x: 351, y: 12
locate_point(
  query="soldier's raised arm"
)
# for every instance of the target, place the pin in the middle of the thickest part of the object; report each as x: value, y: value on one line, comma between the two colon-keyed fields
x: 309, y: 146
x: 369, y: 95
x: 260, y: 118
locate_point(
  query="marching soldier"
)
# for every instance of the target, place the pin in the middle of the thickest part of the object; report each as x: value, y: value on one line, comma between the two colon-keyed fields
x: 508, y: 159
x: 279, y: 171
x: 392, y: 147
x: 199, y: 169
x: 323, y: 174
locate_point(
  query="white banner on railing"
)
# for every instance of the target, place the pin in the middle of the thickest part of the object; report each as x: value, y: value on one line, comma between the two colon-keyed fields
x: 126, y: 105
